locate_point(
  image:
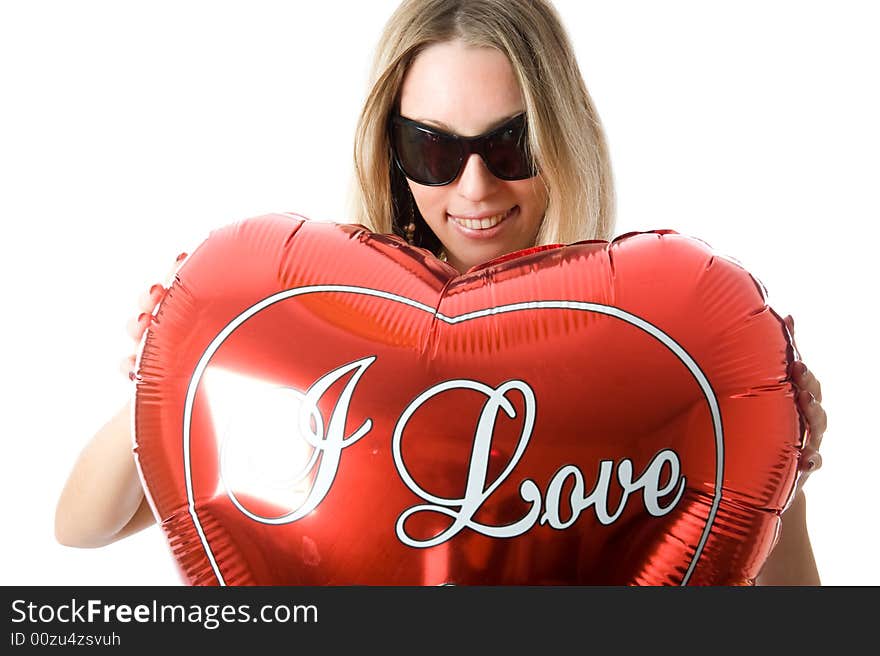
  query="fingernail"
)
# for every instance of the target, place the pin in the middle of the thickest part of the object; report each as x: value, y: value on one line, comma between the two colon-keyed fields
x: 180, y: 257
x: 145, y: 317
x: 155, y: 289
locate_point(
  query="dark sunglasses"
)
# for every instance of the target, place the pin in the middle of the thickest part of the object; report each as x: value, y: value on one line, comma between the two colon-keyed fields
x: 432, y: 157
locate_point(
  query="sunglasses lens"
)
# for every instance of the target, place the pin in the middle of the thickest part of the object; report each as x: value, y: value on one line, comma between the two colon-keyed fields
x: 507, y: 152
x: 425, y: 157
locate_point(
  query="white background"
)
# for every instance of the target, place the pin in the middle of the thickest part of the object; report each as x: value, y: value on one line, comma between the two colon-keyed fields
x: 129, y: 130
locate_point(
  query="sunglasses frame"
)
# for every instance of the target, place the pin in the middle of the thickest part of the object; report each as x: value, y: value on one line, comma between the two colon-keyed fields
x: 466, y: 147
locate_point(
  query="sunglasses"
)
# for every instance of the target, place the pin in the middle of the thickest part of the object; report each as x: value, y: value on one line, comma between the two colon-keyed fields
x: 435, y: 158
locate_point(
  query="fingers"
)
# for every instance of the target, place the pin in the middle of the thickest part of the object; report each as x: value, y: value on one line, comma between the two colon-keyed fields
x: 149, y: 298
x: 805, y: 380
x: 137, y: 325
x: 811, y: 461
x: 789, y: 322
x: 808, y: 391
x: 126, y: 366
x: 803, y: 377
x: 178, y: 262
x: 146, y: 304
x: 815, y: 415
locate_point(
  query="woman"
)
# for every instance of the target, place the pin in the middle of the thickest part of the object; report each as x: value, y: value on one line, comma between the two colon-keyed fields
x: 478, y: 139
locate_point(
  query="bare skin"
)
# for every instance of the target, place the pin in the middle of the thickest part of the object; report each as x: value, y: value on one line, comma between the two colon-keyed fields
x: 103, y: 500
x: 792, y: 561
x: 438, y: 89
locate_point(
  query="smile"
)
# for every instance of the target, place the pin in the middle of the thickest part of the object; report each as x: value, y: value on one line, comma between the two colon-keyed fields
x: 485, y: 223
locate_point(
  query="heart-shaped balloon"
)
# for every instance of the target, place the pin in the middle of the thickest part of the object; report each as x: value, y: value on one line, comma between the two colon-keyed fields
x: 318, y: 404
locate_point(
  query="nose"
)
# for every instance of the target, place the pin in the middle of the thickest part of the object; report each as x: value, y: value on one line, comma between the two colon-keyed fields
x: 476, y: 181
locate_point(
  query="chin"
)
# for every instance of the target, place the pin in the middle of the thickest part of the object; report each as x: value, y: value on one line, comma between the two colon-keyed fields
x: 482, y: 258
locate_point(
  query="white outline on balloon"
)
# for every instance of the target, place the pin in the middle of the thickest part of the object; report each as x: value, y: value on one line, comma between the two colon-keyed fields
x: 609, y: 310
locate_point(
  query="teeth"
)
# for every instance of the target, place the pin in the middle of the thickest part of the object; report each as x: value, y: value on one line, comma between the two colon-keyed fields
x: 480, y: 224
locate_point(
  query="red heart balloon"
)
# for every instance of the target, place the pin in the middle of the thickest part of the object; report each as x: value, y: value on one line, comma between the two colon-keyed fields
x: 319, y: 404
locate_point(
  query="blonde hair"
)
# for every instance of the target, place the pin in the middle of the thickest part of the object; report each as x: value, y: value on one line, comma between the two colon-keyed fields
x: 565, y: 135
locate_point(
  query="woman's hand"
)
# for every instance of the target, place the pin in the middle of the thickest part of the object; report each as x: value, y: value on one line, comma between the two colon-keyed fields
x: 102, y: 500
x: 791, y: 562
x: 147, y: 303
x: 809, y: 399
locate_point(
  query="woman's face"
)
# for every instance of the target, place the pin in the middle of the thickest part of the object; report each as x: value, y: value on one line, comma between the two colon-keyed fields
x: 470, y: 91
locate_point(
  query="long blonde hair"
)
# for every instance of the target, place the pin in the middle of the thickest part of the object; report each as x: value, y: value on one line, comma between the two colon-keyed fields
x: 565, y: 135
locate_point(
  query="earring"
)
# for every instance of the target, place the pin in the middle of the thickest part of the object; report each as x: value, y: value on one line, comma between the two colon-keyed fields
x: 410, y: 229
